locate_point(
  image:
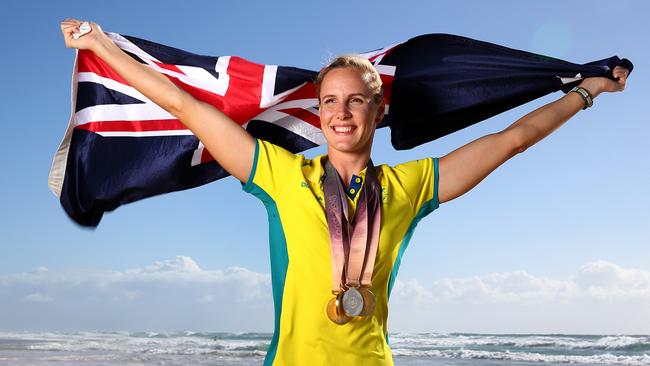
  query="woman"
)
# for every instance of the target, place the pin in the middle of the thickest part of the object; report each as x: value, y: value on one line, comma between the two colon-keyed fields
x: 338, y: 224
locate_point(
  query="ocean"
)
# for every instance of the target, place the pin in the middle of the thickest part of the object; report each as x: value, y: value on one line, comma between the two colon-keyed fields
x: 244, y: 349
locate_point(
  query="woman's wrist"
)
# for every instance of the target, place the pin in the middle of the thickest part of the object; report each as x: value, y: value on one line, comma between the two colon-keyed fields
x: 103, y: 47
x: 593, y: 86
x: 98, y: 42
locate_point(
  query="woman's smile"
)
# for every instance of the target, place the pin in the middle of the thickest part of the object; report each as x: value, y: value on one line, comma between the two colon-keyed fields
x: 347, y: 112
x: 343, y: 130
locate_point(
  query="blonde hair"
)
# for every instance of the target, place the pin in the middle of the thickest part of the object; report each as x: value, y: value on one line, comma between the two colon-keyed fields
x: 369, y: 74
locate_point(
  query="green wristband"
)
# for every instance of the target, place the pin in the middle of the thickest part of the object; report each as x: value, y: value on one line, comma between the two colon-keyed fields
x: 586, y: 96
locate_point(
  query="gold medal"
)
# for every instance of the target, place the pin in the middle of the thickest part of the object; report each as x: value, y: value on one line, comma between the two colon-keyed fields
x: 368, y: 301
x: 335, y: 310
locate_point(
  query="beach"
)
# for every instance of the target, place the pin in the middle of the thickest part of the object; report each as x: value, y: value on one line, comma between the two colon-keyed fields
x: 243, y: 349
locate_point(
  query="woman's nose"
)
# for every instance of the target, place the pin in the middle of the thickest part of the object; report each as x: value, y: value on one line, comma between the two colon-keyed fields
x: 342, y: 110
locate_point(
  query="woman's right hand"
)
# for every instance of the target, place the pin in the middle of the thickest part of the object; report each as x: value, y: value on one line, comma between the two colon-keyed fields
x: 230, y: 145
x: 88, y: 41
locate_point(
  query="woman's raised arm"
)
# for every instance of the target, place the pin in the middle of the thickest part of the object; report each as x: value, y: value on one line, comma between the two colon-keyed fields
x: 230, y: 145
x: 465, y: 167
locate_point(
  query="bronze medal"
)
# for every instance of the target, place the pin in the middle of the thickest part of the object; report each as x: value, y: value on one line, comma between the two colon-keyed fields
x: 335, y: 310
x: 368, y: 301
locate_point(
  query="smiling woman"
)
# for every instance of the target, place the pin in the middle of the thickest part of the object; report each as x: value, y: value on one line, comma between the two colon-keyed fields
x: 349, y: 113
x: 339, y: 225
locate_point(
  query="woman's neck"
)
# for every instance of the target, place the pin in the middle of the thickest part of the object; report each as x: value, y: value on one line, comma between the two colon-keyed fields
x: 348, y: 164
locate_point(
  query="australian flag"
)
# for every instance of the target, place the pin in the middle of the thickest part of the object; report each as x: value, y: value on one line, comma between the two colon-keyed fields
x: 121, y: 147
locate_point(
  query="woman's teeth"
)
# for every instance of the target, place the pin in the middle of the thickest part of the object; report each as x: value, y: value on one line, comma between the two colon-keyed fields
x: 342, y: 128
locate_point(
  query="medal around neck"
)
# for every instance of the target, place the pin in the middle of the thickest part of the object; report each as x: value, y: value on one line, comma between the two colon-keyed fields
x: 335, y: 310
x: 357, y: 302
x: 352, y: 302
x: 353, y: 243
x: 368, y: 301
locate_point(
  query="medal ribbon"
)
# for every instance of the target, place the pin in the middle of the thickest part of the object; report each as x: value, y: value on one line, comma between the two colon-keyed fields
x: 353, y: 243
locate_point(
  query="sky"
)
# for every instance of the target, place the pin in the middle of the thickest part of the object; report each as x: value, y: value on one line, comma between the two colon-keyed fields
x: 557, y: 240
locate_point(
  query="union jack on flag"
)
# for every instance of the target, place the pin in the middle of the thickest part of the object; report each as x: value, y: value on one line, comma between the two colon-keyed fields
x: 121, y: 147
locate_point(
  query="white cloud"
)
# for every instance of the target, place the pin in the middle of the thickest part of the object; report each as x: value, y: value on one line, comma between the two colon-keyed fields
x: 180, y: 264
x: 36, y: 297
x: 178, y: 294
x: 601, y: 297
x: 598, y: 280
x: 170, y: 294
x: 606, y: 280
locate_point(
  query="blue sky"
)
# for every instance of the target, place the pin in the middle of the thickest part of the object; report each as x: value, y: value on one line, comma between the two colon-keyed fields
x: 571, y: 211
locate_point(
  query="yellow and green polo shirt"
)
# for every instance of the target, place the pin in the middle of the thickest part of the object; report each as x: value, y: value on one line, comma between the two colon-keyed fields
x: 291, y: 188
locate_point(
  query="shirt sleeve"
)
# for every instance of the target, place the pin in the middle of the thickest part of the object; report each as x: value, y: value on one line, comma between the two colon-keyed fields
x: 272, y: 170
x: 419, y: 180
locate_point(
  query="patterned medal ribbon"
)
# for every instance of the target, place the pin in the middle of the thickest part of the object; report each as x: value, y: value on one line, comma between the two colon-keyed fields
x: 353, y: 241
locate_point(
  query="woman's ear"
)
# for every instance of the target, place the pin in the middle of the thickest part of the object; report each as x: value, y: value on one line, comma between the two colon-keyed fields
x: 381, y: 109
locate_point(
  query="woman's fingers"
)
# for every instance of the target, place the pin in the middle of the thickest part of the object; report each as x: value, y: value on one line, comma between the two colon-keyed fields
x: 74, y: 29
x: 70, y: 23
x: 620, y: 75
x: 68, y: 28
x: 620, y: 71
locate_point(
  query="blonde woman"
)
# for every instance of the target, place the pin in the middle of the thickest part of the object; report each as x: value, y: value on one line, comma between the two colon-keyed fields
x: 338, y: 223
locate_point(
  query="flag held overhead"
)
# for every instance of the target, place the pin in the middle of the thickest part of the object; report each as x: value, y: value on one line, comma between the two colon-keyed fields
x: 120, y: 147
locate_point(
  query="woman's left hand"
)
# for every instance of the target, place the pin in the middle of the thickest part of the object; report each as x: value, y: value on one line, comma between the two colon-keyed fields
x: 598, y: 85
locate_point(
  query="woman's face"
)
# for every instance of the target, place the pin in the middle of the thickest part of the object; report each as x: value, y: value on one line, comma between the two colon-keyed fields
x: 348, y: 114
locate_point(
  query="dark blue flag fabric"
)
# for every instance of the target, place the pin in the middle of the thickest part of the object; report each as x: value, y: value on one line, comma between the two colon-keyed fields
x: 443, y: 83
x: 120, y: 147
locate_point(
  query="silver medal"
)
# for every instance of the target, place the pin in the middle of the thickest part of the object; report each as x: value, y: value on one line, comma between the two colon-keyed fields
x: 352, y: 302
